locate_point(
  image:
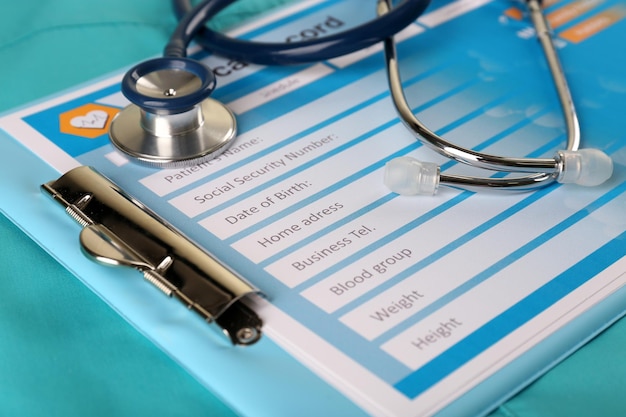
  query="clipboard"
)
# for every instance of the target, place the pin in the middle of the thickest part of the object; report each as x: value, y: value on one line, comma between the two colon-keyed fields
x: 588, y: 324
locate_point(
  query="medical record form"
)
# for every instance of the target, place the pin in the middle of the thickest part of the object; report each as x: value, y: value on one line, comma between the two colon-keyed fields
x: 408, y: 306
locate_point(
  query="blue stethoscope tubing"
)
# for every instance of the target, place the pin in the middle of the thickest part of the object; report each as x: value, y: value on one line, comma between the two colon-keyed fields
x: 192, y: 27
x: 172, y: 120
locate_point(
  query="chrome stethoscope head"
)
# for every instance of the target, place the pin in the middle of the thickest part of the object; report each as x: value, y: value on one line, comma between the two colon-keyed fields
x: 172, y: 121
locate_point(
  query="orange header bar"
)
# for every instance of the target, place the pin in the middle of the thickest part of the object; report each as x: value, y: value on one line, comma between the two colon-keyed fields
x: 570, y: 12
x: 594, y: 24
x: 514, y: 13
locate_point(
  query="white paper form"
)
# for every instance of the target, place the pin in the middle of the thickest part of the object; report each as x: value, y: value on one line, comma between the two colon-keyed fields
x: 403, y: 304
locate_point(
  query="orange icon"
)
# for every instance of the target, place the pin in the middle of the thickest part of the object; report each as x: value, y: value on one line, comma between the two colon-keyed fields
x: 87, y: 121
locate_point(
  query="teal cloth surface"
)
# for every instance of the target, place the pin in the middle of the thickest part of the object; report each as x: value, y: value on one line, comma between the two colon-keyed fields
x: 63, y: 351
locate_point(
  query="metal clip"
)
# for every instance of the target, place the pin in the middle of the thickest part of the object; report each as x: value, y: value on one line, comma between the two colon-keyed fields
x: 119, y: 230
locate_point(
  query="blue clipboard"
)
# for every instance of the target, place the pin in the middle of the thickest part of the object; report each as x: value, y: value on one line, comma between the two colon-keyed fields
x: 282, y: 396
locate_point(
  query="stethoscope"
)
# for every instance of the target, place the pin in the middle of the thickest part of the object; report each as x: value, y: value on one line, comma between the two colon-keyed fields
x: 172, y: 121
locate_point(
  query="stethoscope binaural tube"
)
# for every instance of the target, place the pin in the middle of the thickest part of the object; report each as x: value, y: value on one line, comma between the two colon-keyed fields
x: 587, y: 167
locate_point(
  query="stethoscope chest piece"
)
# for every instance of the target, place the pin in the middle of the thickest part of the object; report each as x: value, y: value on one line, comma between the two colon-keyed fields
x: 171, y: 120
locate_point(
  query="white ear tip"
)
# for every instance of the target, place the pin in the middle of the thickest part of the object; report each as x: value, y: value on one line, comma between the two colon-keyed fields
x: 587, y: 167
x: 408, y: 176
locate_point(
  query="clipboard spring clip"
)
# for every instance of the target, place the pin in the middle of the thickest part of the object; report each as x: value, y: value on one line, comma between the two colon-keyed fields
x: 119, y: 230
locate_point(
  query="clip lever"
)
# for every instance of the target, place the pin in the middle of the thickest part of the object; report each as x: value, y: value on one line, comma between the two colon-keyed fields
x: 118, y: 230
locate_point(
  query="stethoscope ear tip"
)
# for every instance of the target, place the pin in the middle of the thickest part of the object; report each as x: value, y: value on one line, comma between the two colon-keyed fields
x: 587, y: 167
x: 408, y: 176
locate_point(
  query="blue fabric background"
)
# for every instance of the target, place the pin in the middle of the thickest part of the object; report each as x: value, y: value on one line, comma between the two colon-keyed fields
x: 63, y: 351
